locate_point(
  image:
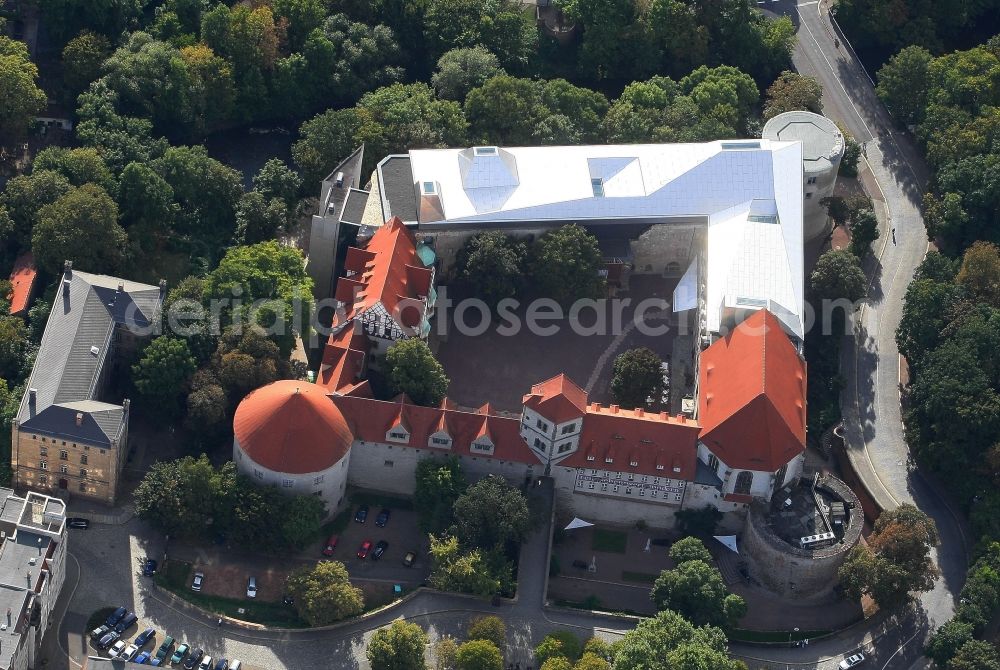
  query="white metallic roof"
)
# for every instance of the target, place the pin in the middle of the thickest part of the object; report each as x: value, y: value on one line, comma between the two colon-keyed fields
x: 750, y: 192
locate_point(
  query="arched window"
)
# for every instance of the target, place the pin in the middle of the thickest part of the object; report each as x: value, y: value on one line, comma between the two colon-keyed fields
x: 779, y: 476
x: 744, y: 481
x: 713, y: 463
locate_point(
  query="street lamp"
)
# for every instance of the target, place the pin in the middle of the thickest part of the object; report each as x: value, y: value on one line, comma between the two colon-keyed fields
x: 793, y: 631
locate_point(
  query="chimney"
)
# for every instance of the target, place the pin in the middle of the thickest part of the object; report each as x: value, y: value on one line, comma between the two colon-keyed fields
x: 681, y: 418
x: 665, y: 416
x: 595, y: 407
x: 32, y: 395
x: 68, y: 269
x: 163, y: 286
x: 614, y: 409
x: 125, y: 405
x: 79, y: 418
x: 640, y: 411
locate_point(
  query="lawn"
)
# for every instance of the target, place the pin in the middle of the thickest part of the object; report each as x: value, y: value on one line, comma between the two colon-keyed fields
x: 641, y: 577
x: 173, y: 576
x: 612, y: 541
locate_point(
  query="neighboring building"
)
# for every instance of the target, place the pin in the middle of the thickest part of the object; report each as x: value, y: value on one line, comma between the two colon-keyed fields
x: 67, y: 437
x: 387, y: 288
x: 22, y: 281
x: 746, y: 443
x: 822, y: 150
x: 340, y: 201
x: 32, y: 573
x: 725, y: 215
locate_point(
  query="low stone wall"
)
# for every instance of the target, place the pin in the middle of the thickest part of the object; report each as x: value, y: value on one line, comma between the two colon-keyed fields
x: 789, y: 570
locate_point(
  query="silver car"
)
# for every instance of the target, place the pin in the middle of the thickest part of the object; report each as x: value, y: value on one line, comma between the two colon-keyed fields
x: 852, y: 661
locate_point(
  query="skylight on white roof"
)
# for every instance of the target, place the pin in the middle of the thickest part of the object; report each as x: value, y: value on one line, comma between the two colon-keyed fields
x: 485, y: 151
x: 597, y: 184
x: 728, y: 146
x: 428, y: 188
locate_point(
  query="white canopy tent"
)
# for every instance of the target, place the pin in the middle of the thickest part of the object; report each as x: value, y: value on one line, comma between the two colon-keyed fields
x: 729, y: 541
x: 578, y: 523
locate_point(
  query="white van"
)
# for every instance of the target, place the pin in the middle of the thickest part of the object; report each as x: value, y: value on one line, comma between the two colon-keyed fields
x: 206, y: 663
x: 235, y: 665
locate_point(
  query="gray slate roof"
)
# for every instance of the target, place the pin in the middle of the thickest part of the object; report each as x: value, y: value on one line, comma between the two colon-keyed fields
x: 399, y: 195
x: 67, y: 369
x: 335, y: 197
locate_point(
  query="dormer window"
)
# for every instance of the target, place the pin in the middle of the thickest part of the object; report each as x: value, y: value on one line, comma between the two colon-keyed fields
x: 480, y: 446
x: 590, y: 457
x: 437, y: 441
x: 608, y: 459
x: 398, y: 434
x: 428, y: 188
x: 659, y: 467
x: 597, y: 185
x: 633, y: 463
x: 484, y: 151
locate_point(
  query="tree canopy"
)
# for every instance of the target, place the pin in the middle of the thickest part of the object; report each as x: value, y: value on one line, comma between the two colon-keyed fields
x: 398, y: 646
x: 82, y: 226
x: 637, y: 379
x: 836, y: 275
x: 324, y: 594
x: 564, y: 265
x: 20, y: 97
x: 412, y: 369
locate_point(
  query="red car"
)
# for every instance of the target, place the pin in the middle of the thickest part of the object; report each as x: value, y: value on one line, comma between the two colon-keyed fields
x: 366, y: 546
x: 331, y: 544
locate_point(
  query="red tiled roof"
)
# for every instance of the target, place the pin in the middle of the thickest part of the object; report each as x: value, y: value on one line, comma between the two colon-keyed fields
x: 291, y: 426
x: 370, y: 420
x: 752, y: 396
x: 738, y: 498
x: 659, y: 445
x: 22, y: 279
x: 557, y: 399
x: 343, y: 360
x: 386, y: 271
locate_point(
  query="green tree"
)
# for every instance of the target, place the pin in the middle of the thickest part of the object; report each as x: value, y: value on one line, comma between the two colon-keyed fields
x: 325, y: 140
x: 119, y: 139
x: 301, y: 519
x: 668, y: 641
x: 205, y: 190
x: 323, y: 593
x: 162, y: 374
x: 903, y: 84
x: 176, y: 497
x: 444, y: 653
x: 78, y: 166
x: 463, y: 69
x: 690, y: 549
x: 15, y: 348
x: 26, y: 195
x: 258, y: 219
x: 564, y: 264
x: 976, y: 655
x: 146, y: 206
x: 247, y: 359
x: 303, y: 17
x: 20, y: 97
x: 478, y: 655
x: 592, y: 662
x: 980, y: 272
x: 637, y: 379
x: 490, y: 265
x: 360, y: 57
x: 82, y: 58
x: 897, y: 560
x: 10, y: 400
x: 697, y: 591
x: 926, y: 311
x: 211, y: 90
x: 491, y: 513
x: 412, y: 369
x: 559, y: 644
x: 607, y: 27
x: 837, y: 274
x: 699, y: 522
x: 489, y: 628
x: 207, y: 405
x: 439, y: 483
x: 864, y: 232
x: 852, y: 155
x: 82, y: 226
x: 400, y: 117
x: 947, y: 640
x: 455, y: 570
x: 501, y: 26
x: 792, y: 91
x: 277, y: 180
x: 399, y: 646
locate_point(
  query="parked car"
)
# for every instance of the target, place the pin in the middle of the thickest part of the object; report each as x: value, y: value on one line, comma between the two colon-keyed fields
x: 149, y: 567
x: 126, y: 623
x: 331, y: 544
x: 142, y: 658
x: 109, y: 639
x: 222, y: 664
x: 180, y: 653
x: 252, y: 587
x: 379, y: 549
x: 382, y: 518
x: 199, y: 579
x: 129, y: 652
x: 157, y: 662
x: 235, y: 665
x: 194, y: 659
x: 362, y: 514
x: 78, y: 522
x: 206, y: 663
x: 143, y: 638
x: 164, y: 649
x: 365, y: 547
x: 117, y: 649
x: 100, y: 632
x: 410, y: 559
x: 115, y: 617
x: 852, y: 661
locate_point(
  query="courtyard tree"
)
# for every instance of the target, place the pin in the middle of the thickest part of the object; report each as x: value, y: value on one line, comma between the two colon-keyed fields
x: 838, y: 275
x: 852, y: 155
x: 490, y: 628
x: 690, y: 549
x: 896, y: 561
x: 412, y: 369
x: 668, y: 642
x: 398, y: 646
x: 439, y: 483
x: 490, y: 265
x: 637, y: 379
x: 81, y: 225
x: 176, y: 497
x: 700, y: 522
x: 564, y: 264
x: 277, y: 180
x: 696, y: 590
x: 15, y: 348
x: 491, y: 513
x: 792, y: 91
x: 455, y: 570
x: 162, y: 374
x: 259, y: 219
x: 478, y: 655
x: 324, y: 594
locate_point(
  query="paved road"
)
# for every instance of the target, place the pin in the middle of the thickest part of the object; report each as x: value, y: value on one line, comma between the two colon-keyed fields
x: 870, y: 365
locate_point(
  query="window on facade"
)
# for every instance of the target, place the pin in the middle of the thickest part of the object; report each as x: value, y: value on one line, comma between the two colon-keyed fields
x: 538, y: 443
x: 631, y: 477
x: 659, y: 467
x: 44, y: 465
x: 677, y: 497
x: 287, y: 483
x: 642, y: 492
x: 388, y: 464
x: 563, y: 448
x: 83, y: 459
x: 43, y: 451
x: 809, y: 196
x: 811, y: 180
x: 42, y: 479
x: 443, y: 441
x: 744, y: 481
x: 83, y: 472
x: 541, y: 425
x: 652, y: 494
x: 591, y: 486
x: 397, y: 435
x: 628, y: 491
x: 258, y: 474
x: 615, y: 489
x: 64, y: 469
x: 478, y: 446
x: 779, y: 476
x: 83, y: 487
x: 604, y: 487
x: 318, y: 480
x: 713, y: 463
x: 568, y: 429
x: 63, y: 455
